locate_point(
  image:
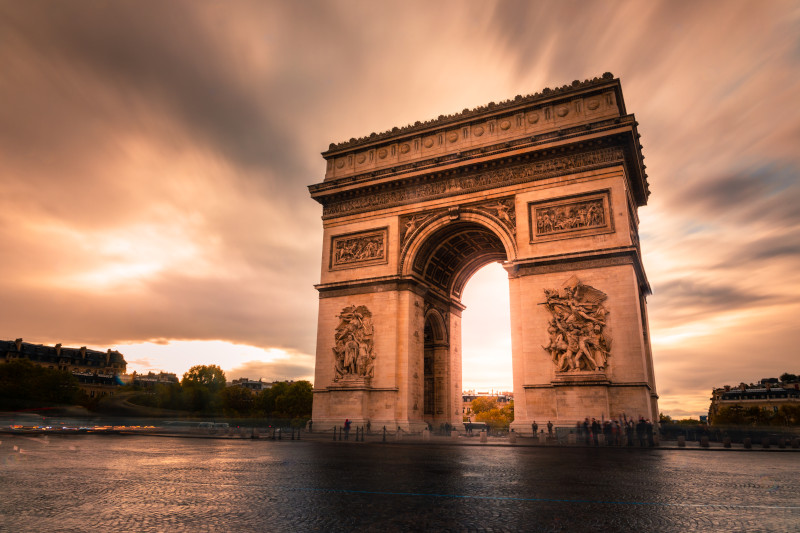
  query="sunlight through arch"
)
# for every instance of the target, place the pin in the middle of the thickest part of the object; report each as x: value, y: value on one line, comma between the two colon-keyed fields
x: 486, y: 331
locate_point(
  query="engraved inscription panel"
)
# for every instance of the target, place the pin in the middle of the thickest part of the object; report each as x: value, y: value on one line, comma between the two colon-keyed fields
x: 359, y: 249
x: 575, y: 216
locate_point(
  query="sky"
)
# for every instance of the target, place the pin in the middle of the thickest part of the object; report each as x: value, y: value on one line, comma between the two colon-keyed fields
x: 154, y: 159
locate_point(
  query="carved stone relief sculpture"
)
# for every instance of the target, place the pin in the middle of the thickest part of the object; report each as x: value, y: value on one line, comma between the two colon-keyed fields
x: 358, y: 249
x: 579, y: 338
x: 578, y: 215
x: 353, y: 350
x: 504, y: 210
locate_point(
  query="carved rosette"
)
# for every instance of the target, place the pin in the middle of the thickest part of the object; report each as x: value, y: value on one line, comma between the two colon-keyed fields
x: 580, y: 342
x: 353, y: 350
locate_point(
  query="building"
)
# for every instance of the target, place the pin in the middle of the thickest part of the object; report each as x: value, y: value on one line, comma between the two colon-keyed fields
x: 151, y: 379
x: 255, y: 386
x: 98, y: 373
x: 769, y: 394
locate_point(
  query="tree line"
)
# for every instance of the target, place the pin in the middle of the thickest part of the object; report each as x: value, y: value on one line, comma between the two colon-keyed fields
x: 203, y: 391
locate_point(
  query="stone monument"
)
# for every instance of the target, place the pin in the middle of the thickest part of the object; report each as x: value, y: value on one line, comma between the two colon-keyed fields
x: 548, y: 185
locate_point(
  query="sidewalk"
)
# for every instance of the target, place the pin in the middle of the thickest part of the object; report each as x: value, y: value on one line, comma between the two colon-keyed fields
x: 475, y: 440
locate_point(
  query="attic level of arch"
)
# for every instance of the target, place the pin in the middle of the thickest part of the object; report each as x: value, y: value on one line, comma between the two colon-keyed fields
x: 506, y: 167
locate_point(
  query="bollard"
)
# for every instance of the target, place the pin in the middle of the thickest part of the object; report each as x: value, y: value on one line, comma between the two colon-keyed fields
x: 512, y: 437
x: 298, y: 433
x: 681, y: 441
x: 484, y: 437
x: 280, y: 434
x: 384, y: 433
x: 292, y: 433
x: 748, y: 443
x: 334, y: 432
x: 726, y: 442
x: 704, y: 442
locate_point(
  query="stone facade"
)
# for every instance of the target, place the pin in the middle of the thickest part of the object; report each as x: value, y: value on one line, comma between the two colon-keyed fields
x: 98, y: 373
x: 549, y: 186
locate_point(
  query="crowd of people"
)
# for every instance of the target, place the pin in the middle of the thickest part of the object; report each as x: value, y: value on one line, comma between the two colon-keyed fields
x: 615, y: 433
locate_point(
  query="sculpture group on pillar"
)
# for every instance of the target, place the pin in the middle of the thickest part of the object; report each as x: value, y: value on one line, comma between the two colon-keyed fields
x: 579, y: 339
x: 353, y: 348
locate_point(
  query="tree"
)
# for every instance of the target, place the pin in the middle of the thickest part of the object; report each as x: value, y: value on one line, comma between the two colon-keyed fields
x: 286, y: 400
x: 210, y: 376
x: 202, y: 385
x: 497, y: 418
x: 24, y: 383
x: 788, y: 378
x: 482, y: 404
x: 237, y: 401
x: 296, y: 401
x: 266, y: 398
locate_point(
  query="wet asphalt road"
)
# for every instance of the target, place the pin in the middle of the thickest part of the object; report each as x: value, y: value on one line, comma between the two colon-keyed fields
x: 117, y: 483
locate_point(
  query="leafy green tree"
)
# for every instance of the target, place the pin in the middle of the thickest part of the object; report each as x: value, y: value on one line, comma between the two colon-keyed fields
x: 237, y: 401
x: 266, y: 398
x: 210, y: 376
x: 23, y: 382
x: 286, y: 400
x: 788, y: 378
x: 296, y: 401
x: 201, y: 386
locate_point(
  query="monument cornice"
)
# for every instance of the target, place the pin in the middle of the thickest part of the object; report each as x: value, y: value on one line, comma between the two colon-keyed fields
x: 547, y: 96
x: 555, y: 139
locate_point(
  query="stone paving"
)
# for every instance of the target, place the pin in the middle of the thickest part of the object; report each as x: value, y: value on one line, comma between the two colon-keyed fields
x: 117, y: 483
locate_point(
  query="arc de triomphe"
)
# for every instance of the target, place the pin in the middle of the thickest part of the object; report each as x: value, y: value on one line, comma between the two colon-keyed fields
x: 549, y: 185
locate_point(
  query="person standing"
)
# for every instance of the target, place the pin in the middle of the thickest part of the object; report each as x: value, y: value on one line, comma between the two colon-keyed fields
x: 549, y: 428
x: 535, y: 428
x: 346, y: 429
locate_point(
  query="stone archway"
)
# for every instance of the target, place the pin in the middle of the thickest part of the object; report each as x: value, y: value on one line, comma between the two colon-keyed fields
x: 548, y: 185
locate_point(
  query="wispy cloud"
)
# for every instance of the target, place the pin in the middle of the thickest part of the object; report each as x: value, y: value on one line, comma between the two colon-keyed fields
x: 155, y: 160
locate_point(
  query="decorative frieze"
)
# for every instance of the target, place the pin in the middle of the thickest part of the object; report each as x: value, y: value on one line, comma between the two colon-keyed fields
x: 476, y: 182
x: 359, y: 249
x: 579, y: 340
x: 573, y: 216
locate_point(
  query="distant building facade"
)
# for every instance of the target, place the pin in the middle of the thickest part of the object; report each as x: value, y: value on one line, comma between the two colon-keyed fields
x: 98, y: 373
x: 768, y: 394
x: 151, y: 379
x: 250, y: 384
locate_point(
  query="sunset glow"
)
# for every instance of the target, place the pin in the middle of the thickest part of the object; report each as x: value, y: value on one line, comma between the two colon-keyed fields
x: 155, y: 163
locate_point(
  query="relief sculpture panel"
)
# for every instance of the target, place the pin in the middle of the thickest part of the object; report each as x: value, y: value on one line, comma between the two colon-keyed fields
x: 570, y: 217
x: 353, y: 350
x: 579, y: 338
x: 358, y: 249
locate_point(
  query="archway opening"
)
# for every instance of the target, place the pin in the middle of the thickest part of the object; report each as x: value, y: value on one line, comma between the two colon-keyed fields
x: 446, y: 261
x: 486, y: 332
